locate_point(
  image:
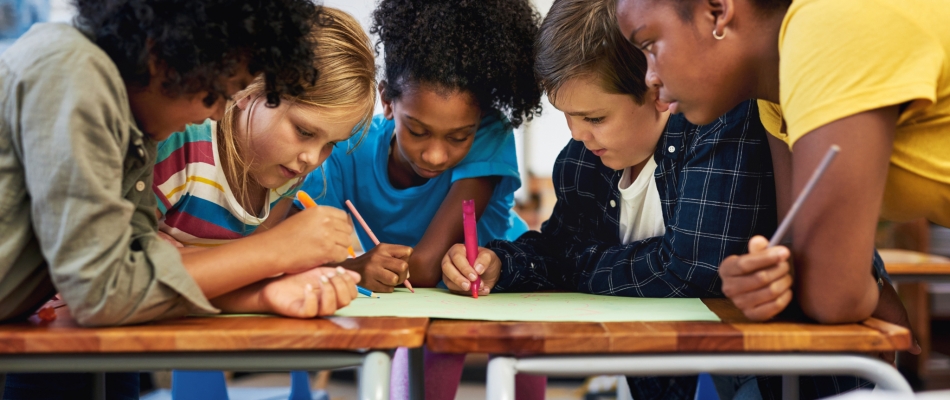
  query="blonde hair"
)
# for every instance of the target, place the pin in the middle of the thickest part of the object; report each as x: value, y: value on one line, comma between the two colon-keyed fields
x: 345, y: 86
x: 582, y: 38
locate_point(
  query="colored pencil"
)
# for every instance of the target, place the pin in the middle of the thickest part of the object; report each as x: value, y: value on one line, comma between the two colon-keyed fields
x: 787, y: 222
x: 369, y: 232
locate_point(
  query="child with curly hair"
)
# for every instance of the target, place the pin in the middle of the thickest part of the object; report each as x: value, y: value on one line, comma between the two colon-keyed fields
x: 83, y: 110
x: 458, y: 78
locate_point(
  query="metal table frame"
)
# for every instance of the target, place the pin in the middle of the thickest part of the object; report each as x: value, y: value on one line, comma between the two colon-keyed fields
x: 375, y: 366
x: 502, y: 370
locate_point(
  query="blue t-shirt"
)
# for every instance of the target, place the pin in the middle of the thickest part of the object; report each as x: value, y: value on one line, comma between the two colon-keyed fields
x: 401, y: 216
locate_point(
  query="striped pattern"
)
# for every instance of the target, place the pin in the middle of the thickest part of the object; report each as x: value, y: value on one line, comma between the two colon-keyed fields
x: 197, y: 206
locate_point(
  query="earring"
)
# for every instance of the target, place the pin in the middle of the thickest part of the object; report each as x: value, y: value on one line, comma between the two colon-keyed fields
x: 717, y: 36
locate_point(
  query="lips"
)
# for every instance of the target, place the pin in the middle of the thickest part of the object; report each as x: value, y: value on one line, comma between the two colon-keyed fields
x: 288, y: 173
x: 427, y: 173
x: 598, y: 152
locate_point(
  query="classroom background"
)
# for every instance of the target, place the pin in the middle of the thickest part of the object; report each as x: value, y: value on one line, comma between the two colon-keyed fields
x: 538, y: 143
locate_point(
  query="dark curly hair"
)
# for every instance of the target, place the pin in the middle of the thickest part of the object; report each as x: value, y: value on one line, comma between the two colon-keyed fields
x: 202, y: 42
x: 485, y: 47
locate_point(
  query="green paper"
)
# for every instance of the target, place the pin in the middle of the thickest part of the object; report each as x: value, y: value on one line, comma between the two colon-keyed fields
x: 546, y: 307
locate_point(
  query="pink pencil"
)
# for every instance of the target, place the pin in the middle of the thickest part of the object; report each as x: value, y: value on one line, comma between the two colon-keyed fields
x: 471, y: 239
x: 372, y: 236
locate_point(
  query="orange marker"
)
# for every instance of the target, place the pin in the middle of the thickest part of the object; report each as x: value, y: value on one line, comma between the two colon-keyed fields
x: 369, y: 233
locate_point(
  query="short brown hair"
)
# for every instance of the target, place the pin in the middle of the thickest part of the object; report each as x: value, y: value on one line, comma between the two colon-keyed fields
x: 581, y: 37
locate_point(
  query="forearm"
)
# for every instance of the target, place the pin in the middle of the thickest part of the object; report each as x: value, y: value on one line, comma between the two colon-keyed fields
x: 425, y: 267
x: 225, y: 268
x: 244, y: 300
x: 833, y: 235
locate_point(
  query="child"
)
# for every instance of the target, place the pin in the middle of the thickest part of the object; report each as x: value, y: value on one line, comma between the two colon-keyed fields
x: 647, y: 203
x: 82, y: 111
x: 215, y: 183
x: 871, y: 77
x: 458, y: 78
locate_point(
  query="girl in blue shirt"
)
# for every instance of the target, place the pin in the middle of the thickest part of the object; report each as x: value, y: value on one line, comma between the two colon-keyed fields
x: 458, y: 78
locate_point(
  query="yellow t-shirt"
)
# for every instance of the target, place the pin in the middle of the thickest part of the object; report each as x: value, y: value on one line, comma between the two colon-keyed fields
x: 844, y: 57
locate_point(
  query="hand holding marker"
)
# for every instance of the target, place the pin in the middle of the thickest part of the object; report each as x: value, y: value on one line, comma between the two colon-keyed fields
x: 373, y: 237
x: 308, y: 202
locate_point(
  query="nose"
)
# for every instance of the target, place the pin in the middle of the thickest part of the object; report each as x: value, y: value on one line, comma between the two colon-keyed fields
x: 652, y: 79
x: 435, y: 155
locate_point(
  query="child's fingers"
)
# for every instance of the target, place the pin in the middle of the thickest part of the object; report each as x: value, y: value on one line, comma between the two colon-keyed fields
x: 452, y: 277
x: 749, y: 263
x: 398, y: 268
x: 310, y: 307
x: 348, y: 281
x: 483, y: 260
x: 341, y: 290
x: 767, y: 310
x: 461, y: 263
x: 395, y: 250
x: 770, y: 292
x: 758, y: 243
x: 737, y: 285
x: 327, y: 297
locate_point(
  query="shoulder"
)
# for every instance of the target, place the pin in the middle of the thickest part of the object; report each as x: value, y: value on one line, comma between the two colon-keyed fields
x: 58, y: 55
x: 577, y: 169
x: 741, y: 123
x: 194, y: 141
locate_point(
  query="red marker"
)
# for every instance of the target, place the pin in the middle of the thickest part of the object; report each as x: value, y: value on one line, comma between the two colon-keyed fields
x: 471, y: 239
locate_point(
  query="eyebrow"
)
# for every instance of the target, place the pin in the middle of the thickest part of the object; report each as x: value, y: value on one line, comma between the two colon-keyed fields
x: 634, y: 34
x: 430, y: 128
x: 585, y: 113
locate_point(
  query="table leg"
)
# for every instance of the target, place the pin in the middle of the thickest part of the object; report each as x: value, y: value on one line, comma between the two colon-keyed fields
x: 99, y: 386
x: 790, y: 387
x: 374, y: 376
x: 417, y: 390
x: 501, y: 378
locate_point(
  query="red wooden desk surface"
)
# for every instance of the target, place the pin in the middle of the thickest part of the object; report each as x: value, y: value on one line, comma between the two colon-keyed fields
x: 734, y: 334
x: 63, y: 335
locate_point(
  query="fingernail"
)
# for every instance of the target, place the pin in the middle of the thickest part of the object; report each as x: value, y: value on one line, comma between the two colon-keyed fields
x: 308, y: 287
x: 472, y: 277
x: 340, y: 270
x: 324, y: 279
x: 479, y: 268
x: 466, y: 285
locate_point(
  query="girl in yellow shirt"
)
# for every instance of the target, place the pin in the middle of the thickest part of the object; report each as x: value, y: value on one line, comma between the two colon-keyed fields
x: 871, y: 76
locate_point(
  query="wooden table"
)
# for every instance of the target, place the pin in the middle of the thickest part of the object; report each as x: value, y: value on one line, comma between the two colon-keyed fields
x: 249, y: 343
x: 733, y: 346
x: 914, y: 271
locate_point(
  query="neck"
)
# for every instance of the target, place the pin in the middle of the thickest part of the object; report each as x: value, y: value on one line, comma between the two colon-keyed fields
x: 250, y: 194
x: 766, y: 59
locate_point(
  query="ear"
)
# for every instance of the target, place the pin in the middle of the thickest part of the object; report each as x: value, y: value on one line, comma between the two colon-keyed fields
x: 721, y: 12
x: 243, y: 102
x: 387, y: 103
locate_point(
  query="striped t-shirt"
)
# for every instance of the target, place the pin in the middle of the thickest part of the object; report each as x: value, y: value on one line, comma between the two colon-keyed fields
x: 197, y: 205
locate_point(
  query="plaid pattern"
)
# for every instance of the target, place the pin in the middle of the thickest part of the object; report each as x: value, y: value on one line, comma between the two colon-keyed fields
x: 716, y: 191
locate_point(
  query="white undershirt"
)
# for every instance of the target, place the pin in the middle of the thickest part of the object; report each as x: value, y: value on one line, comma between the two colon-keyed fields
x: 640, y: 214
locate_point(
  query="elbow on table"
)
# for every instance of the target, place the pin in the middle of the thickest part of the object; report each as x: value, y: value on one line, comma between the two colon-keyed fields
x: 843, y: 307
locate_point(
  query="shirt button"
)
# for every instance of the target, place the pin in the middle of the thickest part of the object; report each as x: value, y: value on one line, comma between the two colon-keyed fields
x: 613, y: 203
x: 140, y: 186
x: 671, y: 149
x: 141, y: 152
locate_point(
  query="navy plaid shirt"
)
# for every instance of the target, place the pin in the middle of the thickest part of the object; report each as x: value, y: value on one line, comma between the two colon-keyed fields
x: 716, y: 190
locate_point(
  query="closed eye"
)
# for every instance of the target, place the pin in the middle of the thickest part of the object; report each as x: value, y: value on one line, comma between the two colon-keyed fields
x: 594, y: 121
x: 304, y: 132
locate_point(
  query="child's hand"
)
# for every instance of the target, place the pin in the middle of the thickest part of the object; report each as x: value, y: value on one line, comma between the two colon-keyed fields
x: 382, y: 268
x: 317, y: 292
x: 758, y: 283
x: 315, y: 236
x: 458, y: 274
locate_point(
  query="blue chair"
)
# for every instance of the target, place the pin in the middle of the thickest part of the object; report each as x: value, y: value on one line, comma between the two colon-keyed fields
x: 210, y: 385
x: 705, y: 388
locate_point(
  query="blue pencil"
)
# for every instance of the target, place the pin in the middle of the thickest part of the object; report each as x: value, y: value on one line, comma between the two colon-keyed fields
x: 364, y: 291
